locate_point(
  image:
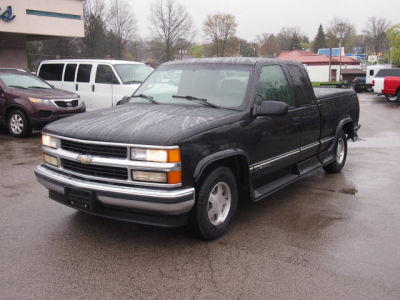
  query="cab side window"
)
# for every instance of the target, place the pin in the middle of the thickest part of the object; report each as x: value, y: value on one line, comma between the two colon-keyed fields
x: 104, y: 74
x: 301, y: 86
x: 273, y: 85
x: 84, y: 73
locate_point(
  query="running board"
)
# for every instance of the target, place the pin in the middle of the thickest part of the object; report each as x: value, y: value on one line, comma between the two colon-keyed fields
x: 301, y: 170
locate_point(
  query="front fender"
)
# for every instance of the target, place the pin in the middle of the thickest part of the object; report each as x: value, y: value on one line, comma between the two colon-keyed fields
x: 206, y: 161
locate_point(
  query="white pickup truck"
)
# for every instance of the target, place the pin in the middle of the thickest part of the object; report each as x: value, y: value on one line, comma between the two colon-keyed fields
x: 378, y: 82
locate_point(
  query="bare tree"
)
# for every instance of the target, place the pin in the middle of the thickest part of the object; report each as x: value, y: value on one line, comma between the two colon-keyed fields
x: 219, y: 29
x: 122, y: 23
x: 339, y: 28
x: 95, y: 28
x: 171, y: 25
x: 375, y: 33
x: 289, y: 38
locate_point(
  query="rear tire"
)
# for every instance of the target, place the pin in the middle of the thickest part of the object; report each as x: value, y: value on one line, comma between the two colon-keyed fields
x: 398, y: 97
x: 216, y: 204
x: 18, y: 124
x: 392, y: 98
x: 340, y: 155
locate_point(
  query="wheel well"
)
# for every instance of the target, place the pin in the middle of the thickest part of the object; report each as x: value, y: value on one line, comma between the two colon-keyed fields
x: 240, y: 168
x: 12, y: 108
x: 348, y: 128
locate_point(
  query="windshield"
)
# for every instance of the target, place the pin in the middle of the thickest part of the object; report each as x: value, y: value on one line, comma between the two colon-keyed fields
x: 23, y: 81
x: 220, y: 85
x: 133, y: 73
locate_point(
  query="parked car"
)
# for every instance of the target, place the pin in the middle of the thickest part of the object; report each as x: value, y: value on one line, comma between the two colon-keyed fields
x: 28, y: 102
x: 392, y: 88
x: 100, y: 83
x: 378, y: 81
x: 228, y: 128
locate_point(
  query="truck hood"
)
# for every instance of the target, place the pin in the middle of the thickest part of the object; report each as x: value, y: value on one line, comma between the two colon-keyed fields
x: 147, y: 124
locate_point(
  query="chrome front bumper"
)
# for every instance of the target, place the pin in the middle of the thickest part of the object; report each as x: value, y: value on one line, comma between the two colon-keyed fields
x: 168, y: 202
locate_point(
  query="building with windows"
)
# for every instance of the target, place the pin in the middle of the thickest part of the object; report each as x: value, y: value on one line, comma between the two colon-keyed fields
x: 29, y: 20
x: 317, y: 65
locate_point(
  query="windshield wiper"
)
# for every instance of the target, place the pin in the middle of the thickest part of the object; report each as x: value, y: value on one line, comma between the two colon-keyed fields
x: 18, y: 87
x: 38, y: 87
x: 133, y: 81
x: 150, y: 98
x: 201, y: 100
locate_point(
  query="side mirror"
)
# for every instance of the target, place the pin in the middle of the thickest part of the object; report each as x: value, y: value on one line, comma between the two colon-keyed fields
x: 124, y: 100
x: 272, y: 108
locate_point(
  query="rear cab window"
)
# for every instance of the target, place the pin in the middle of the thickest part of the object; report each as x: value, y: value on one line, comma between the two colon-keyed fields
x: 388, y: 72
x: 301, y: 86
x: 52, y: 72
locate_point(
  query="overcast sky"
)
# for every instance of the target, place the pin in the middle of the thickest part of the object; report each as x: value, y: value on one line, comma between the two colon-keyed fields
x: 257, y: 16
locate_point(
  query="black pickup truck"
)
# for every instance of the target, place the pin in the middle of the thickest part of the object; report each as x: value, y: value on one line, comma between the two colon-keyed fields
x: 197, y: 136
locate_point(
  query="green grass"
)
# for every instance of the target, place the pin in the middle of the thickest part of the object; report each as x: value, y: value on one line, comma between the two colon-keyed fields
x: 318, y: 83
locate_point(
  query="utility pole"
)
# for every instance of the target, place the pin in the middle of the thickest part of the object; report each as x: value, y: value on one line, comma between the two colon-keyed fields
x: 340, y: 50
x: 330, y: 60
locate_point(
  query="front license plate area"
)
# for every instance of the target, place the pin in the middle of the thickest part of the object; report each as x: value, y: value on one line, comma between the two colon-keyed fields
x: 79, y: 198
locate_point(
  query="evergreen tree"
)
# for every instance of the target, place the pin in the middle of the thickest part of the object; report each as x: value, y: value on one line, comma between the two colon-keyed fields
x: 319, y: 41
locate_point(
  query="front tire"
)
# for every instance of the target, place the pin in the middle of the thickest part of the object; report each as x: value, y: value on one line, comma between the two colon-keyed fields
x: 340, y: 155
x: 18, y: 124
x: 216, y: 204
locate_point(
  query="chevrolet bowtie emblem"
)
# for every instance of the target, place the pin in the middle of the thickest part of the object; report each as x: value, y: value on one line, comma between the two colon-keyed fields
x: 84, y: 159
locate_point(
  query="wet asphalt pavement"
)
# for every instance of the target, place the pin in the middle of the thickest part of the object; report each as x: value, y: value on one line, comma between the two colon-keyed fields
x: 324, y: 237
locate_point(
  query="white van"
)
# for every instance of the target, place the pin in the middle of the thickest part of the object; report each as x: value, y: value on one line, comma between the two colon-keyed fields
x: 100, y: 83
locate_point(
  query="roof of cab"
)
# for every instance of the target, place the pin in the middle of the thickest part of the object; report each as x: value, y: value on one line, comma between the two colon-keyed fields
x: 87, y: 60
x: 230, y: 60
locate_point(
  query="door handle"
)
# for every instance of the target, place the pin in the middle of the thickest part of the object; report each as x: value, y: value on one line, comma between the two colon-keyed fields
x: 76, y: 87
x: 92, y: 87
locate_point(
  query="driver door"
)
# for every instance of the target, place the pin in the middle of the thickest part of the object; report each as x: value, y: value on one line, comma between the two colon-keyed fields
x: 275, y: 139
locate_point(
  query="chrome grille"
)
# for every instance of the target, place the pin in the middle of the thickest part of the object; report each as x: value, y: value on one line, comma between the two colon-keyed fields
x: 94, y: 149
x: 95, y: 170
x: 66, y: 103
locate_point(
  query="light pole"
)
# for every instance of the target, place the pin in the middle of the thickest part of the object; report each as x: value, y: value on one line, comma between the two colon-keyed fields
x: 340, y: 50
x: 330, y: 60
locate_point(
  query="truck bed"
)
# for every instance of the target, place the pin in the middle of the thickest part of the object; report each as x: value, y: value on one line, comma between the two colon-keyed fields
x: 326, y: 93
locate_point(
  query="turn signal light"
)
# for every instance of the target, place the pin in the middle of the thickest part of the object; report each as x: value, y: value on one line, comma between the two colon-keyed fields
x: 174, y: 177
x: 50, y: 159
x: 174, y: 155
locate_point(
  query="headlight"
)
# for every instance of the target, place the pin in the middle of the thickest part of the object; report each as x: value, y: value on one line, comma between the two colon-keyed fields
x: 155, y: 155
x: 40, y: 101
x: 50, y: 141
